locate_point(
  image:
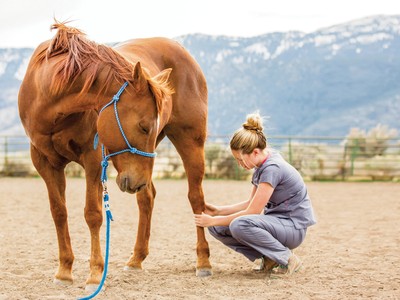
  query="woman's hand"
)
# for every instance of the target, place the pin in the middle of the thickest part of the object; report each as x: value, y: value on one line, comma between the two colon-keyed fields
x: 203, y: 220
x: 211, y: 210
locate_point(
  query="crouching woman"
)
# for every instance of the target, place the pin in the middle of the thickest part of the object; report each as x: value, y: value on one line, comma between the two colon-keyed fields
x: 274, y: 220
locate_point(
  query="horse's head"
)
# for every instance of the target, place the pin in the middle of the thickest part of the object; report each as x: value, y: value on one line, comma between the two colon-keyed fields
x: 138, y: 111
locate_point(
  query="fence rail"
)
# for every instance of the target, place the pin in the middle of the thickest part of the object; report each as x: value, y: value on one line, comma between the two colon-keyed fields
x: 316, y: 158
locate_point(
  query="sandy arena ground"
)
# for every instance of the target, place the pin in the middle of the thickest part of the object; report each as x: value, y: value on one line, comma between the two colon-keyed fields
x: 352, y: 253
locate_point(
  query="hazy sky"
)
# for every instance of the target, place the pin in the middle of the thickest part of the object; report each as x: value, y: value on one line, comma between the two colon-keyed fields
x: 27, y: 22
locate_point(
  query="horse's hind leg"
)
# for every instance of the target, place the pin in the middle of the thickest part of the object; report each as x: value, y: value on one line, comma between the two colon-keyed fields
x: 94, y: 217
x: 145, y: 199
x: 55, y: 182
x: 191, y: 151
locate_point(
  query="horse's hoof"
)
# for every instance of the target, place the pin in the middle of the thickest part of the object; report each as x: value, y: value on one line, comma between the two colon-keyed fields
x: 132, y: 269
x: 203, y: 272
x: 62, y: 282
x: 93, y: 287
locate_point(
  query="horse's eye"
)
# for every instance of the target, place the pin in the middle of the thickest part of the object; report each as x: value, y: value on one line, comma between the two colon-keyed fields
x: 143, y: 129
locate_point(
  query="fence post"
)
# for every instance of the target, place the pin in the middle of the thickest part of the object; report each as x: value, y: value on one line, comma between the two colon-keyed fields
x: 344, y: 173
x: 5, y: 167
x: 353, y: 156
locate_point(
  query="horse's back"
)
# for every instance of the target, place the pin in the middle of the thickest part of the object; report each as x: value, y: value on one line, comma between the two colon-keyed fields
x: 163, y: 52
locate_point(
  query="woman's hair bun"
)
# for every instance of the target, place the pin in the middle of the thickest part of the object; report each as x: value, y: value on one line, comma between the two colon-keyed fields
x: 254, y: 122
x: 250, y: 136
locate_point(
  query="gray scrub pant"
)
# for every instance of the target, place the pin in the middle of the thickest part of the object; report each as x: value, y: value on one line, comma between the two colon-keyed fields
x: 261, y: 235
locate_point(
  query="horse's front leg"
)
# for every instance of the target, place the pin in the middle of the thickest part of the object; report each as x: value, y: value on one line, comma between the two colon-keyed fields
x: 145, y: 199
x: 196, y: 198
x: 55, y: 182
x: 192, y: 154
x: 94, y: 218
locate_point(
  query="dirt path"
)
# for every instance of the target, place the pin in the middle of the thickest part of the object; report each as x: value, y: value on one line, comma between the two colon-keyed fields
x: 352, y: 253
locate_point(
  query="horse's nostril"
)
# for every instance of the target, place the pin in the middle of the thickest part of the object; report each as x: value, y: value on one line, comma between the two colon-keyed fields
x: 126, y: 183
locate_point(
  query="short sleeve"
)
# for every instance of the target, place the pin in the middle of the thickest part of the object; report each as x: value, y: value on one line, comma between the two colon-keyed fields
x: 272, y: 174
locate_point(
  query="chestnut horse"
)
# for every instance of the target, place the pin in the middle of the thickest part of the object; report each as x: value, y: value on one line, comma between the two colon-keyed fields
x: 68, y: 81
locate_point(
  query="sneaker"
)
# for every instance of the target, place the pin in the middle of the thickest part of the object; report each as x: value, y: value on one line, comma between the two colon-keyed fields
x: 263, y: 264
x: 294, y: 264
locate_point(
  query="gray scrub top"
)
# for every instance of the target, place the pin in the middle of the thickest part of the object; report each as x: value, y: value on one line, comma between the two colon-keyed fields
x: 290, y: 198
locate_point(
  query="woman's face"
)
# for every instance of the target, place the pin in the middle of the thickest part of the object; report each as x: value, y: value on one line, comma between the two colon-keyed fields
x: 246, y: 161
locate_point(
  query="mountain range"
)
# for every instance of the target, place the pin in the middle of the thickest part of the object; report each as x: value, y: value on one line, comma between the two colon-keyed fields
x: 317, y: 84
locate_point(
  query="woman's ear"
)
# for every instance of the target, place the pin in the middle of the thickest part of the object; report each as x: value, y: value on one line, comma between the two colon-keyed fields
x: 256, y: 151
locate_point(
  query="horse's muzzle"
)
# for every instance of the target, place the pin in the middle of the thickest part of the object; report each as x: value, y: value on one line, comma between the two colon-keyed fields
x: 127, y: 184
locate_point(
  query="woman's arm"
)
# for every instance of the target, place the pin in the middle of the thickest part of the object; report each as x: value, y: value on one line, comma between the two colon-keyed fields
x: 261, y: 196
x: 224, y: 210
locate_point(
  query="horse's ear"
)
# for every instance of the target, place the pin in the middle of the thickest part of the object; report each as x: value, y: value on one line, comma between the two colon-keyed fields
x: 139, y: 79
x: 161, y: 88
x: 163, y: 76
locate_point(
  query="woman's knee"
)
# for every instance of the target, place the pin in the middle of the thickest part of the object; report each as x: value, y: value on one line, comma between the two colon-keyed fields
x: 219, y: 231
x: 295, y: 237
x: 213, y: 231
x: 240, y: 226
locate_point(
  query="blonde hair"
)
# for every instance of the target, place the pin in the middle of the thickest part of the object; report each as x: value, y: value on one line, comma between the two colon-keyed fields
x: 250, y: 136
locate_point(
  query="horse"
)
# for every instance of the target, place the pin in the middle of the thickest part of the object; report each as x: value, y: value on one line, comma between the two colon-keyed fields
x: 63, y: 104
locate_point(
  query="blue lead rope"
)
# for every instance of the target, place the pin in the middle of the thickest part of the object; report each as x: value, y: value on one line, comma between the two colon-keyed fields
x: 109, y: 219
x: 104, y: 165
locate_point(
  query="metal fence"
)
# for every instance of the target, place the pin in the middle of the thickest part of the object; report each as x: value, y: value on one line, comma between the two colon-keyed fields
x: 316, y: 158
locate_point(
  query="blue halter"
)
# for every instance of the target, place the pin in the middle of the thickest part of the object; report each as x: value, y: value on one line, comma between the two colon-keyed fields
x: 130, y: 149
